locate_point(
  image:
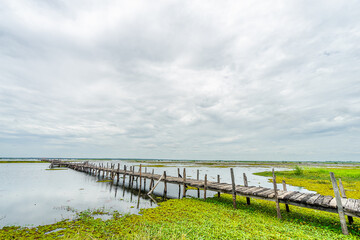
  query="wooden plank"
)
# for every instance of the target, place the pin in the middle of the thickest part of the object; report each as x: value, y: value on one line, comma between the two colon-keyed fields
x: 294, y: 198
x: 261, y: 189
x: 319, y: 200
x: 300, y: 198
x: 307, y: 197
x: 350, y: 205
x: 266, y: 193
x: 284, y: 194
x: 313, y: 199
x: 252, y: 190
x: 288, y: 196
x: 326, y: 201
x: 332, y: 203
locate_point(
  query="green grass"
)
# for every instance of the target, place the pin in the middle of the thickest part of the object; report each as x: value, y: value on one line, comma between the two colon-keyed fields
x: 197, y: 219
x: 318, y: 179
x: 21, y: 161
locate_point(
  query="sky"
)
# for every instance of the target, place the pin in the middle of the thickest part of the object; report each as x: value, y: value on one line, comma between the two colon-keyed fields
x: 217, y: 80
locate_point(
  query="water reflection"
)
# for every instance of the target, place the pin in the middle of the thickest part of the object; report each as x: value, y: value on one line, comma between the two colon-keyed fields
x: 31, y: 195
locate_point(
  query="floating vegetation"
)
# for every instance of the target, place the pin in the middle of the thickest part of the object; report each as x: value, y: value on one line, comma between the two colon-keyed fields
x: 54, y: 169
x: 191, y: 218
x: 107, y: 180
x: 22, y: 161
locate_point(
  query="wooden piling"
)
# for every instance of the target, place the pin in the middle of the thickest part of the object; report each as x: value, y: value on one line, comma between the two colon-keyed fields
x: 151, y: 180
x: 133, y: 177
x: 339, y: 205
x: 140, y: 179
x: 165, y: 185
x: 138, y: 203
x: 285, y: 189
x: 184, y: 182
x: 205, y: 185
x: 145, y: 179
x: 124, y: 176
x: 198, y: 178
x: 103, y: 171
x: 218, y: 180
x: 107, y: 169
x: 233, y: 187
x: 276, y: 195
x: 246, y: 185
x: 118, y: 173
x: 343, y: 194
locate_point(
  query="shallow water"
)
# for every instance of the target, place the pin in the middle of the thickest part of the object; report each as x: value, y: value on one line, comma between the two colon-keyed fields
x: 30, y: 195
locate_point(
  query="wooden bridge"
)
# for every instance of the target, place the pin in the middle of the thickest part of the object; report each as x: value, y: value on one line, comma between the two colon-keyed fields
x: 341, y: 205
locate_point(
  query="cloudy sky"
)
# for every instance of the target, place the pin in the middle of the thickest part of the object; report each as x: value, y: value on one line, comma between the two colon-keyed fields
x: 246, y: 80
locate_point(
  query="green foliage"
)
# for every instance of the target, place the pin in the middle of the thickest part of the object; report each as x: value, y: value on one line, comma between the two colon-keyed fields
x: 318, y: 179
x: 298, y: 170
x: 197, y: 219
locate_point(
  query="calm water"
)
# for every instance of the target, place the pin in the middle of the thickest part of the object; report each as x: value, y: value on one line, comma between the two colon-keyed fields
x: 30, y: 195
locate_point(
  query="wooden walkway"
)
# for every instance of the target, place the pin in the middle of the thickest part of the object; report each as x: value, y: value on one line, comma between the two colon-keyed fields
x: 351, y: 207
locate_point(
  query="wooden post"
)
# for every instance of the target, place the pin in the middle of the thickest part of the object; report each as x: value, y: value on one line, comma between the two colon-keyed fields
x: 284, y: 187
x: 218, y: 180
x: 343, y: 194
x: 276, y: 195
x: 140, y: 179
x: 138, y: 203
x: 197, y: 178
x: 145, y: 179
x: 103, y: 173
x: 118, y: 173
x: 152, y: 180
x: 246, y: 185
x: 205, y: 184
x: 184, y: 182
x: 107, y: 169
x: 165, y: 185
x: 233, y: 187
x: 133, y: 177
x: 339, y: 204
x: 179, y: 172
x: 124, y: 176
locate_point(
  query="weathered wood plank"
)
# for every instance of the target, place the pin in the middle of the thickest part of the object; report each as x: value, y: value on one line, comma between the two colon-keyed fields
x: 326, y: 201
x: 313, y: 199
x: 287, y: 197
x: 319, y: 200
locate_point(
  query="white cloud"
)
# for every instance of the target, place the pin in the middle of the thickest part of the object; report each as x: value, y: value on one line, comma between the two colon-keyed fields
x: 210, y: 80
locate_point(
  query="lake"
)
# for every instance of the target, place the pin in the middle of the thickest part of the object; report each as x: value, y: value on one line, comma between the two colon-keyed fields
x: 31, y: 195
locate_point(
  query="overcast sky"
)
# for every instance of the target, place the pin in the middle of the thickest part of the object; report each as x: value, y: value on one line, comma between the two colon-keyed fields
x: 246, y: 80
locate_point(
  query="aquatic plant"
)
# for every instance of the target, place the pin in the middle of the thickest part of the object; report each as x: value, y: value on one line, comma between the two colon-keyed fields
x: 191, y: 218
x: 298, y: 170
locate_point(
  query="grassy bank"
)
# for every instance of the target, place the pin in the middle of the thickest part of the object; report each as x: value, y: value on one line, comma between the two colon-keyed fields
x: 318, y: 179
x: 197, y: 219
